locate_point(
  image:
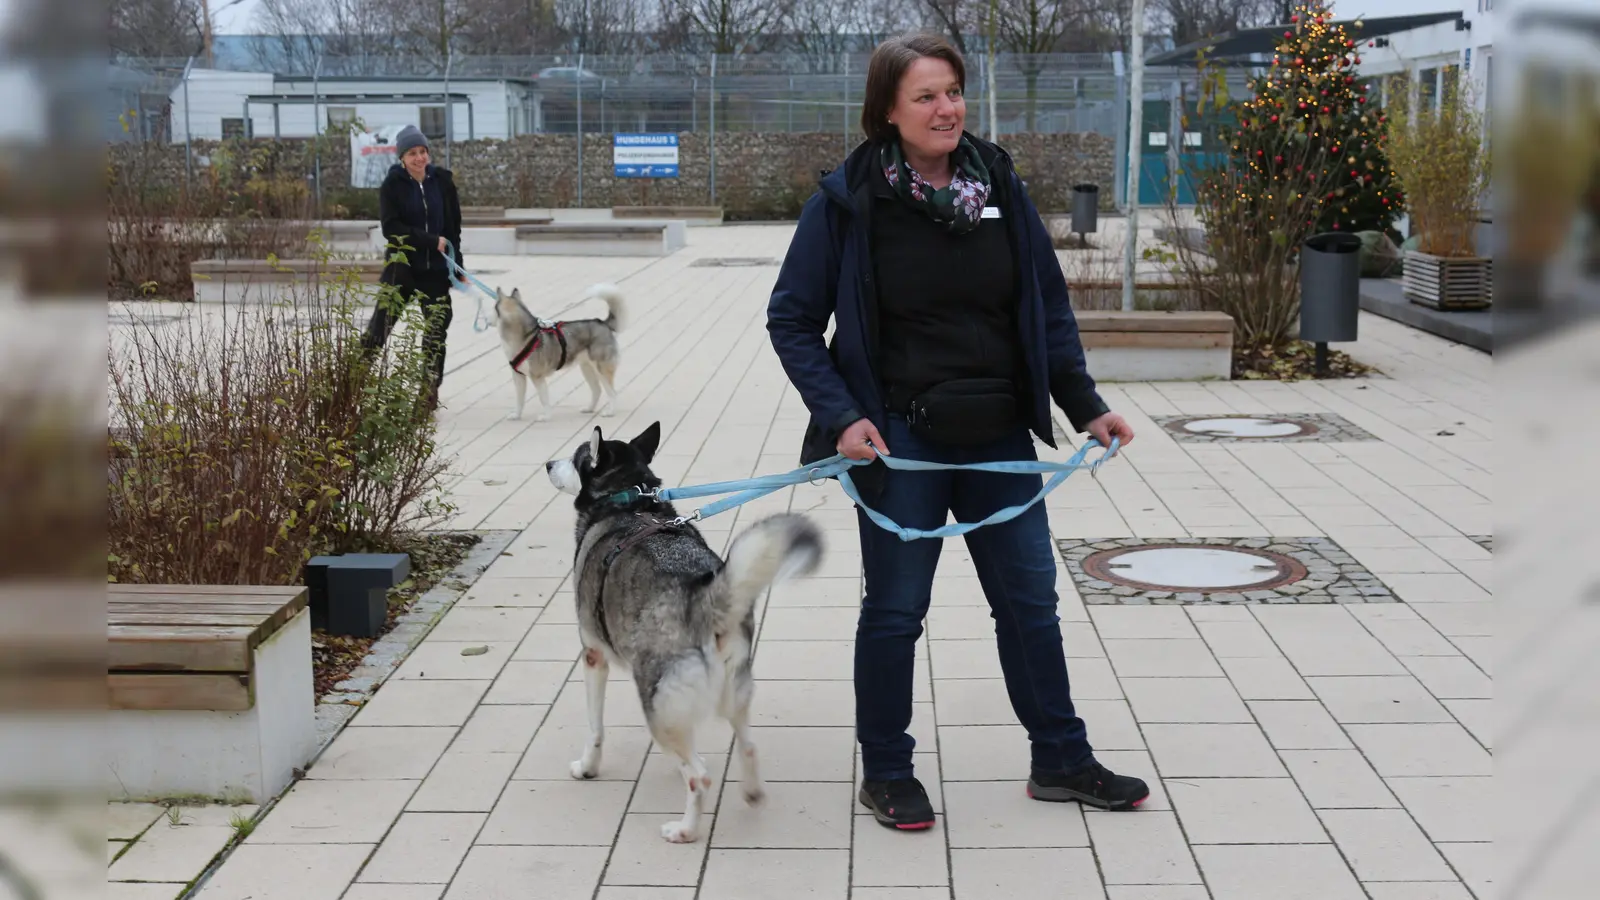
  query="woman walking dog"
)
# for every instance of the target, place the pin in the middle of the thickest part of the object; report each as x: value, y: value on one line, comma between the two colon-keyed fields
x: 419, y: 210
x: 953, y: 334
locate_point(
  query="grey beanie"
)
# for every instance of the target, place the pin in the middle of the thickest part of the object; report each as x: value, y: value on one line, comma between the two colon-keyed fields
x: 409, y: 136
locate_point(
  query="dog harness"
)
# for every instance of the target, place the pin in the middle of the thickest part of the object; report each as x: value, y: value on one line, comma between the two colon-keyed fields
x: 533, y: 344
x: 655, y: 526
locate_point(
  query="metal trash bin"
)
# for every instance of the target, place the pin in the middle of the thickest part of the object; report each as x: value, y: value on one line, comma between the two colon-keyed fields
x: 1085, y: 209
x: 1330, y: 290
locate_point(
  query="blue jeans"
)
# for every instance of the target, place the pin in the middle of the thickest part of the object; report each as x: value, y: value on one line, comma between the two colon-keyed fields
x: 1017, y: 568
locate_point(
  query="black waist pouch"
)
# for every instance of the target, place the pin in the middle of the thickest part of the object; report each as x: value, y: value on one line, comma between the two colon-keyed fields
x: 965, y: 412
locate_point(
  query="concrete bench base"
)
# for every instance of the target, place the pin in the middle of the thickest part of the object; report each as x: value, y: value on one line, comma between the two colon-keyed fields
x: 694, y: 216
x: 601, y: 239
x: 1157, y: 346
x: 248, y: 756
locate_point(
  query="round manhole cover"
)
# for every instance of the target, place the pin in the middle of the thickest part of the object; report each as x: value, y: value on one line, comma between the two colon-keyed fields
x: 1194, y: 568
x: 1244, y: 427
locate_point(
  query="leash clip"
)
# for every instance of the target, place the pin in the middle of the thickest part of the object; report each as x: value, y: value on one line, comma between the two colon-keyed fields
x: 684, y: 520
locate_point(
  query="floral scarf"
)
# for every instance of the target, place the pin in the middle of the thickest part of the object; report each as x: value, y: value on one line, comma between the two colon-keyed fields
x: 960, y: 205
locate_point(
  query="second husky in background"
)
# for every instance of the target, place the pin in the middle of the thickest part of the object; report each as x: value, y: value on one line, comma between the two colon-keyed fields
x: 537, y: 353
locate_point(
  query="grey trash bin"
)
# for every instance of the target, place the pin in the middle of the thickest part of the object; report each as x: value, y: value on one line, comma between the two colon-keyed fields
x: 1330, y: 290
x: 1085, y: 209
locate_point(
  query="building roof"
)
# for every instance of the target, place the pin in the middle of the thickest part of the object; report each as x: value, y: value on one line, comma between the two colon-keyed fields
x: 1239, y: 47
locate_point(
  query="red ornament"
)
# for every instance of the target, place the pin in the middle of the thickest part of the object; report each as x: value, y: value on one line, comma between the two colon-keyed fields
x: 1278, y: 160
x: 1335, y: 149
x: 1361, y: 99
x: 1325, y: 109
x: 1302, y: 104
x: 1358, y: 60
x: 1299, y: 60
x: 1274, y: 118
x: 1289, y: 35
x: 1336, y: 226
x: 1354, y: 174
x: 1295, y: 19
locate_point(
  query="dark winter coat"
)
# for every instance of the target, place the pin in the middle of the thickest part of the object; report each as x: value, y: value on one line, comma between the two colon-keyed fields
x: 828, y: 273
x: 420, y: 214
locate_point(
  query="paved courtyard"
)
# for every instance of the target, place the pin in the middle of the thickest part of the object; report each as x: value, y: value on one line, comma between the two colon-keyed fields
x: 1296, y: 750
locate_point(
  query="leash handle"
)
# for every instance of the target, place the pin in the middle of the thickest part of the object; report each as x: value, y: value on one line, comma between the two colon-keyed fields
x: 461, y: 278
x: 746, y: 489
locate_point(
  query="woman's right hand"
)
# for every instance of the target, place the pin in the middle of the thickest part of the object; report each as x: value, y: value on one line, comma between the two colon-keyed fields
x: 861, y: 441
x: 441, y: 245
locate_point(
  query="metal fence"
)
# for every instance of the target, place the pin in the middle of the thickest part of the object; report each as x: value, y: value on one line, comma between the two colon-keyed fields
x: 602, y: 95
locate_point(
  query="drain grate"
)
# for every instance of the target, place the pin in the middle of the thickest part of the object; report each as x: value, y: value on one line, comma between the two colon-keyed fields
x: 1290, y: 427
x: 1230, y: 571
x: 733, y: 262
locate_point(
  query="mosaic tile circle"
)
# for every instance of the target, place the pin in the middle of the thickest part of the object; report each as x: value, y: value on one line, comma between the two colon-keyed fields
x: 1321, y: 572
x: 1244, y: 427
x: 1247, y: 428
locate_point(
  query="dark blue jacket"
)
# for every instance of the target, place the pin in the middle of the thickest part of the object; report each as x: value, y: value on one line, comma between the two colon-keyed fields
x: 828, y: 273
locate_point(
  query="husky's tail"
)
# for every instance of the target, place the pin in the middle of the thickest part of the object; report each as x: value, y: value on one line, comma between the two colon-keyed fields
x: 769, y: 551
x: 617, y: 316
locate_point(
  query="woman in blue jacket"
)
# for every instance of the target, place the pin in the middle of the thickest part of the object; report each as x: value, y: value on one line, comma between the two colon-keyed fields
x: 953, y: 334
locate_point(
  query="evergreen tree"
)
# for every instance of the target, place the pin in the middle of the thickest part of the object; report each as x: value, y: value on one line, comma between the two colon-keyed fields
x: 1311, y: 94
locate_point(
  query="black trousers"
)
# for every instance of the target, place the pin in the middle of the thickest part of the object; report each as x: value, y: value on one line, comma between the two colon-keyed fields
x: 435, y: 290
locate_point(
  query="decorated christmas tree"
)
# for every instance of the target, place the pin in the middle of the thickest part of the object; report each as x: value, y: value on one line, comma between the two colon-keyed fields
x: 1312, y: 96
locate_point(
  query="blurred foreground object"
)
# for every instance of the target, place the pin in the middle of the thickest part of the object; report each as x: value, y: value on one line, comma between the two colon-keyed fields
x: 1547, y: 497
x: 52, y: 450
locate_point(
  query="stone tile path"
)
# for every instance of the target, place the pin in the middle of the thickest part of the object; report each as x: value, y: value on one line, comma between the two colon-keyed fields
x: 1317, y: 752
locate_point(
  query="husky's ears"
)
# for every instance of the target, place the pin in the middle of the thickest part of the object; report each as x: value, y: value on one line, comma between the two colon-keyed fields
x: 516, y: 294
x: 647, y: 442
x: 596, y: 441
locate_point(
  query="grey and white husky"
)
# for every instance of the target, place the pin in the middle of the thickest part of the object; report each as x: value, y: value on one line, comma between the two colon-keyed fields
x: 654, y: 598
x: 537, y: 353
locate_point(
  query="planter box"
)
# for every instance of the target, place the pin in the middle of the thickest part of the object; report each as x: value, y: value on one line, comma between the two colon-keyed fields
x: 1446, y: 283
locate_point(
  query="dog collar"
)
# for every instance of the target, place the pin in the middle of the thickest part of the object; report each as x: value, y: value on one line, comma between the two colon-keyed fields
x: 623, y: 498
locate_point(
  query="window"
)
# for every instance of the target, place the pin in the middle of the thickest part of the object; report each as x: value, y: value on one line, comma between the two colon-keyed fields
x: 340, y: 116
x: 432, y: 122
x: 232, y: 128
x: 1428, y: 89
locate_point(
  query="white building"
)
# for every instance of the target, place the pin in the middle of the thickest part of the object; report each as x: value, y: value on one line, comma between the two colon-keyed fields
x: 214, y: 104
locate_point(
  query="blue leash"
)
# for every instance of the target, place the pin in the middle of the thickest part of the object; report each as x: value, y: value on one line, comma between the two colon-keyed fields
x: 461, y: 278
x: 744, y: 490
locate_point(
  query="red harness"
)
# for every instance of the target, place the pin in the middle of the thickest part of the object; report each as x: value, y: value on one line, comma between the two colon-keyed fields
x: 533, y: 344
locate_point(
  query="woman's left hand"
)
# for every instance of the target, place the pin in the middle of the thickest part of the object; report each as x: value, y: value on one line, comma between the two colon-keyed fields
x: 1108, y: 426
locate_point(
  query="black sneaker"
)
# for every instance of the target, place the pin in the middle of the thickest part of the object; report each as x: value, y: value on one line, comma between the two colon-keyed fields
x: 1093, y: 784
x: 901, y: 803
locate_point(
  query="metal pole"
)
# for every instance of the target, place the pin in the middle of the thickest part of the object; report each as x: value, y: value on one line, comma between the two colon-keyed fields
x: 188, y: 136
x: 713, y: 120
x: 790, y: 104
x: 1130, y: 253
x: 844, y: 90
x: 449, y: 107
x: 579, y: 82
x: 1120, y: 126
x: 317, y: 131
x: 989, y: 88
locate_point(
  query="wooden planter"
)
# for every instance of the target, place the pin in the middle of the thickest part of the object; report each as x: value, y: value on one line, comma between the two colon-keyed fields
x: 1448, y: 283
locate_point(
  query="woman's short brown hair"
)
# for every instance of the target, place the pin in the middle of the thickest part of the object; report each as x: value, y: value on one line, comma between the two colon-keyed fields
x: 888, y: 65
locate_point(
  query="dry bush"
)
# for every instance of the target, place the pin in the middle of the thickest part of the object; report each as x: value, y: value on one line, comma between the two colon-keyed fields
x: 246, y: 443
x: 1247, y: 264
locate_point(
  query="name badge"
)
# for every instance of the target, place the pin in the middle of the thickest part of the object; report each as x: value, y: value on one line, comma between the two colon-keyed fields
x: 991, y: 212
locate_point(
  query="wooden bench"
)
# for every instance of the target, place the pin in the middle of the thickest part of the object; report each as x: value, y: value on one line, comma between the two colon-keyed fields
x: 694, y: 215
x: 601, y: 239
x: 1157, y: 346
x: 210, y: 691
x: 261, y: 281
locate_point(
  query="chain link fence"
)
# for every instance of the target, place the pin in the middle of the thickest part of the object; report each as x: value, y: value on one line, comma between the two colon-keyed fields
x: 1027, y: 98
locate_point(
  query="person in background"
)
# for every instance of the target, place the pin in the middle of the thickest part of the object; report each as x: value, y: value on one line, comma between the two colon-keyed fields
x: 419, y: 210
x: 952, y: 335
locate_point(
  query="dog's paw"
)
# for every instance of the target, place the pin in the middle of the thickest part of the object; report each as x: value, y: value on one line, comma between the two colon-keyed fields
x: 583, y: 772
x: 608, y: 412
x: 586, y: 409
x: 678, y: 833
x: 515, y: 417
x: 542, y: 417
x: 755, y: 794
